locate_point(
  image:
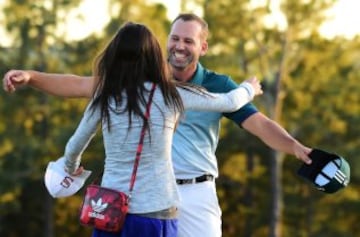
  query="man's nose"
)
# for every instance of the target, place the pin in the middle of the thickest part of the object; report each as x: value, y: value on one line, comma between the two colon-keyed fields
x: 180, y: 45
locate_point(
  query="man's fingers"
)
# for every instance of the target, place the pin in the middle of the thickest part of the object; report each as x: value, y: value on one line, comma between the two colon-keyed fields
x: 304, y: 157
x: 12, y: 79
x: 8, y: 85
x: 17, y: 78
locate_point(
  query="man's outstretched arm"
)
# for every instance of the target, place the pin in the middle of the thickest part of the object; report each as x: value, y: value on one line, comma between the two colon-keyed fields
x: 65, y: 85
x: 276, y: 137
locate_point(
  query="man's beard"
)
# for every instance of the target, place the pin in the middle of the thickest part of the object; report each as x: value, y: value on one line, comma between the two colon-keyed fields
x: 179, y: 65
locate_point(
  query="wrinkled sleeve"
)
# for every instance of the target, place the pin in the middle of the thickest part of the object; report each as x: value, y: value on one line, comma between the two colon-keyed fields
x: 79, y: 141
x: 219, y: 102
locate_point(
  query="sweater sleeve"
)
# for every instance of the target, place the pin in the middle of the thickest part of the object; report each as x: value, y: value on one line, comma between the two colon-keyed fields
x: 79, y: 141
x: 219, y: 102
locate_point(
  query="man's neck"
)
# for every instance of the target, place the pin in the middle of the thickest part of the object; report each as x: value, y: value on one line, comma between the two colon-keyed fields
x: 184, y: 75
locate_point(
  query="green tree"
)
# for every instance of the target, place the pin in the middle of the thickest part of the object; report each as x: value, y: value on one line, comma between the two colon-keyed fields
x: 34, y: 117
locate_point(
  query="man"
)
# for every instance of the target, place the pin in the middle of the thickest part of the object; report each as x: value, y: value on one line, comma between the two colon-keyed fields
x: 196, y: 137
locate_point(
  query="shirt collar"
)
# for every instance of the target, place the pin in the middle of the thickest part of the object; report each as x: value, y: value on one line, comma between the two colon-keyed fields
x: 198, y: 77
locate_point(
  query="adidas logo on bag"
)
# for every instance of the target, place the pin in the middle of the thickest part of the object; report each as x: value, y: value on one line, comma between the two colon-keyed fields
x: 97, y: 207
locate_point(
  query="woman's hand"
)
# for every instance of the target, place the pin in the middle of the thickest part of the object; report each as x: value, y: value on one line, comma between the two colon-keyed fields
x: 255, y: 83
x: 77, y: 172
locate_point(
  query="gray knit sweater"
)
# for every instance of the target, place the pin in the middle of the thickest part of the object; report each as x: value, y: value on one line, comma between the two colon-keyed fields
x: 155, y: 187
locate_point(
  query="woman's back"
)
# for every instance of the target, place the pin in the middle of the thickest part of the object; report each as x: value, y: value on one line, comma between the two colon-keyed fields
x: 155, y: 187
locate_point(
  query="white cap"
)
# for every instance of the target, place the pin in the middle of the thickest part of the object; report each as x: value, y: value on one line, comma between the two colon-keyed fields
x: 61, y: 184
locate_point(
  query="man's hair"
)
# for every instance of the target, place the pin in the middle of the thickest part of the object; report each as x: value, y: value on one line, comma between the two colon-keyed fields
x: 193, y: 17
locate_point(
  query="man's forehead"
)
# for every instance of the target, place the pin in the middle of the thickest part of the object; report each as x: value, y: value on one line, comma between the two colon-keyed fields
x: 187, y: 29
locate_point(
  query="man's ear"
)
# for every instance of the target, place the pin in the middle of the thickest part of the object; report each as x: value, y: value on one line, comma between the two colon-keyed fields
x: 204, y: 48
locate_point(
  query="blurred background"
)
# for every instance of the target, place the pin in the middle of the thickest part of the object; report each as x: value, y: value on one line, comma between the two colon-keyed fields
x: 306, y: 52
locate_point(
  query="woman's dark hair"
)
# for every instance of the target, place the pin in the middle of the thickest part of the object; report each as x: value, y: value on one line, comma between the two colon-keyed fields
x: 131, y: 58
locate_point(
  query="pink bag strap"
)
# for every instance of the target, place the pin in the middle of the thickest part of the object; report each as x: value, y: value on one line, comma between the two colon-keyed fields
x: 141, y: 140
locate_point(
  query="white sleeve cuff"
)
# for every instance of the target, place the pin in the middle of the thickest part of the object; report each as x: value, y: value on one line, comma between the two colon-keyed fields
x: 249, y: 88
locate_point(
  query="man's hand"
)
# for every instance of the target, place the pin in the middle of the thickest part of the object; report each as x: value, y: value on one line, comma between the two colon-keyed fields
x: 302, y: 153
x: 15, y: 78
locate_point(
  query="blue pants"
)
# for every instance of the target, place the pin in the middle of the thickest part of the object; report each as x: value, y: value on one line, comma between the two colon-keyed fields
x: 138, y: 226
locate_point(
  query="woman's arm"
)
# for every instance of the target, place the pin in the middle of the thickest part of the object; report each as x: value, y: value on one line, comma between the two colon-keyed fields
x: 221, y: 102
x: 81, y: 138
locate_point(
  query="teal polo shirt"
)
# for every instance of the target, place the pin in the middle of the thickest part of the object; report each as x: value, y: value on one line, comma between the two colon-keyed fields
x: 197, y: 135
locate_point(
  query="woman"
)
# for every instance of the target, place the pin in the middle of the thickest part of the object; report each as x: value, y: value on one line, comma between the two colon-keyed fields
x: 126, y: 70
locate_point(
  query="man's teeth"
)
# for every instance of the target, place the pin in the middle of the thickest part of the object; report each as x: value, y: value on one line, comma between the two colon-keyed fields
x: 179, y: 55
